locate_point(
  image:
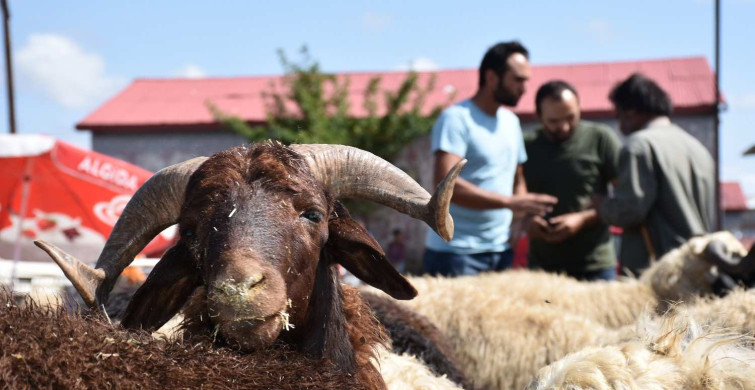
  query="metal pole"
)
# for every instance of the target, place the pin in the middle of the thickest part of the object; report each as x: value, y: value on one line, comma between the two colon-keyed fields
x: 25, y: 189
x: 9, y: 68
x: 717, y: 106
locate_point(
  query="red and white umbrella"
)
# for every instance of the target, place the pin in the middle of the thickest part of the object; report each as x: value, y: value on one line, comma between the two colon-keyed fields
x: 65, y: 195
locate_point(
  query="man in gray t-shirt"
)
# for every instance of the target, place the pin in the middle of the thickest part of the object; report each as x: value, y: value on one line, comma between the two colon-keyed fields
x: 665, y: 192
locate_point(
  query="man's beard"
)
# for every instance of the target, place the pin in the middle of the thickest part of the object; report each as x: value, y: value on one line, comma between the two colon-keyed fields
x: 558, y: 137
x: 505, y: 97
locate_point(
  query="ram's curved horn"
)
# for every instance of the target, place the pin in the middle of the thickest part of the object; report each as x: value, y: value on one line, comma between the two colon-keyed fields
x: 349, y: 172
x: 154, y: 207
x: 84, y: 278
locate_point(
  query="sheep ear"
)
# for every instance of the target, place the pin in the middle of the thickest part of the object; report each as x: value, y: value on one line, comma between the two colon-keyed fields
x: 165, y: 291
x: 350, y: 245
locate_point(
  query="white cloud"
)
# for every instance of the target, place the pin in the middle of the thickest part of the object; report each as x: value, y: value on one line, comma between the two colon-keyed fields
x: 373, y: 21
x: 419, y: 64
x: 601, y: 31
x: 61, y: 69
x: 191, y: 71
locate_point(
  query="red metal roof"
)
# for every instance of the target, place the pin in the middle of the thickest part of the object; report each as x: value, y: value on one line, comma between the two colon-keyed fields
x: 748, y: 242
x: 732, y: 197
x: 182, y: 103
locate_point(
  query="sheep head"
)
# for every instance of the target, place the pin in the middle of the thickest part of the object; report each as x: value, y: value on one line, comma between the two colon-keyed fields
x: 692, y: 269
x: 260, y: 231
x: 734, y: 268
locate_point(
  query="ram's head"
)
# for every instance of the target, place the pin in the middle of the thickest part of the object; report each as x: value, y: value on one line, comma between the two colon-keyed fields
x: 261, y: 230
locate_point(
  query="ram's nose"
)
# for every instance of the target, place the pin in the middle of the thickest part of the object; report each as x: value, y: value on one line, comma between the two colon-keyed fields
x: 243, y: 268
x: 254, y: 280
x: 238, y: 288
x: 244, y: 286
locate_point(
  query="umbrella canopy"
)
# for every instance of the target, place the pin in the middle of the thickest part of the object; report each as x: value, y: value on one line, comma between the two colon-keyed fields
x: 65, y: 195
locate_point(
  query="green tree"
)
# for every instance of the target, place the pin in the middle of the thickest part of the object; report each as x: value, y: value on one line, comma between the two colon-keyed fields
x: 313, y: 107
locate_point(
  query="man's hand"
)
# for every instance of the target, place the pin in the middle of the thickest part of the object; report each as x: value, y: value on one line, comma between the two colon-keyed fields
x: 535, y: 204
x: 566, y: 226
x: 538, y: 228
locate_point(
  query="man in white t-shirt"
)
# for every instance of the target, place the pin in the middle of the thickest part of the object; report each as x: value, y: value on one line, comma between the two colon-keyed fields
x: 491, y: 185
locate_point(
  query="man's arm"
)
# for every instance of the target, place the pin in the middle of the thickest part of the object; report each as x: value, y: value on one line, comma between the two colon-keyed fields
x: 520, y: 185
x: 471, y: 196
x: 635, y: 189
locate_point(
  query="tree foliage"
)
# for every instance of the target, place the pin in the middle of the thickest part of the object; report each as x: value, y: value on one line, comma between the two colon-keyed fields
x: 313, y: 107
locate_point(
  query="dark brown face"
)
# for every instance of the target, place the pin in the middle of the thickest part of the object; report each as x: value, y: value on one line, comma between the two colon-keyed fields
x: 256, y: 241
x: 257, y: 255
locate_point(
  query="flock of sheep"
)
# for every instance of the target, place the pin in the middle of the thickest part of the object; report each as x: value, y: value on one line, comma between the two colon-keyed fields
x: 521, y: 328
x: 255, y: 271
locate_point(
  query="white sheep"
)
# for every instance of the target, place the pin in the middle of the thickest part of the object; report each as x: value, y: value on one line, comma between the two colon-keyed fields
x: 505, y: 326
x: 405, y: 371
x: 682, y: 274
x: 501, y: 342
x: 671, y: 352
x: 735, y: 311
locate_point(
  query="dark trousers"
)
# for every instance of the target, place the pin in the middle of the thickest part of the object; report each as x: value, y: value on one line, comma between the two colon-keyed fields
x: 590, y: 276
x: 452, y: 264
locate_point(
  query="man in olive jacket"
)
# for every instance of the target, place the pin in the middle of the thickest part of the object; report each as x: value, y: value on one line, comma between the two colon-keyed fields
x: 665, y: 191
x: 571, y: 159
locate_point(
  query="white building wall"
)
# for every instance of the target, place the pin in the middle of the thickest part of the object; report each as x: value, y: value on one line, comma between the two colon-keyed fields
x: 154, y: 151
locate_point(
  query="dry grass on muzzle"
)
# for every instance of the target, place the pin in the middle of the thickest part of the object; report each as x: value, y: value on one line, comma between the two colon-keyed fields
x: 44, y: 347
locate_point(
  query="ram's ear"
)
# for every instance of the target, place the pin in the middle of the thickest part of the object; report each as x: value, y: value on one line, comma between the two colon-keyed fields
x: 165, y: 291
x: 350, y: 245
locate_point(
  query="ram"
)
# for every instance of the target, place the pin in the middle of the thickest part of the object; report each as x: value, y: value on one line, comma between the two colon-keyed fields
x: 261, y: 231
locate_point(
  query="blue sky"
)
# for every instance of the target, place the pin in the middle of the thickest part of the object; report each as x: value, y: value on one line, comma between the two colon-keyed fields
x: 70, y: 58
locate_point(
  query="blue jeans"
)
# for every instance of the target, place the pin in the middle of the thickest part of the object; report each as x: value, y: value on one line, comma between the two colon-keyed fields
x: 452, y: 264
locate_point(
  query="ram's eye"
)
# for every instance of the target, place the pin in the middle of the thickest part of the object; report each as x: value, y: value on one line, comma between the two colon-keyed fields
x: 312, y: 215
x: 187, y: 232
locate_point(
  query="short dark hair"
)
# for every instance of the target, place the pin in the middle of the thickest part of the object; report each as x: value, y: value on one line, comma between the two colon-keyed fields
x: 495, y: 58
x: 552, y: 89
x: 641, y: 94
